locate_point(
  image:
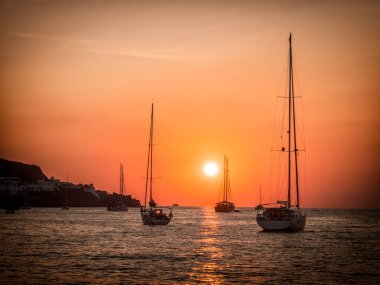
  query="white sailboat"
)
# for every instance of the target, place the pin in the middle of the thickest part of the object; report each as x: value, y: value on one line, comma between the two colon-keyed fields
x: 152, y: 215
x: 283, y: 215
x: 226, y: 205
x: 120, y: 206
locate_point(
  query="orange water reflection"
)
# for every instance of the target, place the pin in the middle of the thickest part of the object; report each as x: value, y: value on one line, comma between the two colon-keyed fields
x: 208, y: 268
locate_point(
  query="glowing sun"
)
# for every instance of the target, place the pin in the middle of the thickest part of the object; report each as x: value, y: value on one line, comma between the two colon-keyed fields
x: 210, y: 169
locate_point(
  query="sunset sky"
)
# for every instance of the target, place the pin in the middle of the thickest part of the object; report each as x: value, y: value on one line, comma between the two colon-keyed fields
x: 77, y: 79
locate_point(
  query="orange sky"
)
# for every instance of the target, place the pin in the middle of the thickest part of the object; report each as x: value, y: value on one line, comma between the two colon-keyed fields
x: 77, y: 79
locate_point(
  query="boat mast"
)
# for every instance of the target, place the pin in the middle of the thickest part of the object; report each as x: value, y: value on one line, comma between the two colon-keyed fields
x: 289, y: 120
x: 228, y: 185
x: 292, y: 111
x: 121, y: 183
x: 224, y: 181
x: 149, y: 164
x: 260, y: 195
x: 151, y: 156
x: 295, y: 142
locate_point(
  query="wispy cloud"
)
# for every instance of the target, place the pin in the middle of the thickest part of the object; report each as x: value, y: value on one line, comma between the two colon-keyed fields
x: 136, y: 53
x: 89, y: 46
x: 50, y: 38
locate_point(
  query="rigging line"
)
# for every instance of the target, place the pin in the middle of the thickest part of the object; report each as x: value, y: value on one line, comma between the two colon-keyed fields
x: 148, y: 164
x: 279, y: 174
x: 283, y: 176
x: 283, y: 180
x: 284, y: 112
x: 229, y: 186
x: 278, y: 129
x: 278, y: 91
x: 274, y: 123
x: 270, y: 174
x: 299, y: 87
x: 303, y: 125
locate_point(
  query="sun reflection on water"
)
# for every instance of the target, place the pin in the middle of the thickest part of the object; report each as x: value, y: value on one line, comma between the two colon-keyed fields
x: 207, y: 269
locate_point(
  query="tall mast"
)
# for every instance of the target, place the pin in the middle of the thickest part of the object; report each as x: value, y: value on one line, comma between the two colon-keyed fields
x: 295, y: 145
x: 292, y: 111
x: 151, y: 154
x: 224, y: 180
x: 149, y: 164
x: 260, y: 195
x: 228, y: 182
x: 121, y: 183
x: 289, y: 119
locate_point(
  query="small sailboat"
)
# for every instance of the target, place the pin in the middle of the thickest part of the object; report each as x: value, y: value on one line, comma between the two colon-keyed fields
x: 225, y: 205
x: 65, y: 204
x: 283, y: 215
x: 120, y: 206
x: 152, y: 215
x: 26, y: 204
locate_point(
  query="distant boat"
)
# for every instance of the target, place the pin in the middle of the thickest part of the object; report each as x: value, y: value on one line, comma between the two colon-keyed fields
x: 282, y: 215
x: 65, y: 204
x: 26, y: 204
x: 152, y: 215
x: 225, y: 205
x: 175, y: 205
x: 120, y: 206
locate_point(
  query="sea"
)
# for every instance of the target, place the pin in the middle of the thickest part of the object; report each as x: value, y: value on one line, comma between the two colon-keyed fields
x: 199, y: 246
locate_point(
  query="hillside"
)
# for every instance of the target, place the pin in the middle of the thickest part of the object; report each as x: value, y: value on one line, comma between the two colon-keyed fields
x: 24, y: 171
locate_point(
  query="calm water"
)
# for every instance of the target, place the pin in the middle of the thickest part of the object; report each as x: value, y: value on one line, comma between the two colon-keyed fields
x: 91, y: 245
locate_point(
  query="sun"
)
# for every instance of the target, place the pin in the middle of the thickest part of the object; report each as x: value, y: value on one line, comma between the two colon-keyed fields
x: 210, y: 169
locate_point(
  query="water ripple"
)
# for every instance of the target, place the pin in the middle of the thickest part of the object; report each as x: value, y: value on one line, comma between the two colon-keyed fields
x: 91, y: 245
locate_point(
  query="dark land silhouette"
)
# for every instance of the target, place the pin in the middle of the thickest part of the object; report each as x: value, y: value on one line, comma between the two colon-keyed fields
x: 22, y: 184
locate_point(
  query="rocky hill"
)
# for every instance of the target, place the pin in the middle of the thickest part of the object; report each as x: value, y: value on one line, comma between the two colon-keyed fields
x: 24, y: 171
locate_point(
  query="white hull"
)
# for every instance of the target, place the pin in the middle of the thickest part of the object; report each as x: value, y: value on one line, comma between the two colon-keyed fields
x: 292, y: 224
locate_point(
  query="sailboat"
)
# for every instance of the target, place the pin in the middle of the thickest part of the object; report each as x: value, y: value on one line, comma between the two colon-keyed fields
x: 283, y: 215
x: 225, y: 205
x: 120, y: 206
x: 26, y: 204
x: 152, y: 215
x: 65, y: 204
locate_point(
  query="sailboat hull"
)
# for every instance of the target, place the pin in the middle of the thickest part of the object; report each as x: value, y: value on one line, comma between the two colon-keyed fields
x: 155, y: 222
x: 224, y: 207
x: 281, y: 220
x: 294, y: 225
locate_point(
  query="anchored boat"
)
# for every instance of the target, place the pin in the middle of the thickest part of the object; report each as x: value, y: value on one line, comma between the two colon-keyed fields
x: 120, y: 206
x: 153, y: 215
x: 283, y: 215
x: 226, y: 205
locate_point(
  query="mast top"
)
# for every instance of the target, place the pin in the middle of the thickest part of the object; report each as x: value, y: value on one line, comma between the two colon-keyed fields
x: 290, y: 37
